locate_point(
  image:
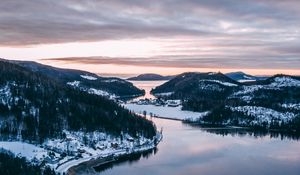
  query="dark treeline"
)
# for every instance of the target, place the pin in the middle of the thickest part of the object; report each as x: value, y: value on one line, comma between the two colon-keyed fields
x: 39, y: 107
x: 259, y: 133
x: 11, y: 165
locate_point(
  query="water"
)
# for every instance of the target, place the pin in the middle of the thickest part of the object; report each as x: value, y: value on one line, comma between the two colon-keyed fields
x: 147, y: 86
x: 191, y: 150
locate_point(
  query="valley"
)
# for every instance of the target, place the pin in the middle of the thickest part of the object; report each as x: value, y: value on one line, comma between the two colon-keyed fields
x: 210, y: 102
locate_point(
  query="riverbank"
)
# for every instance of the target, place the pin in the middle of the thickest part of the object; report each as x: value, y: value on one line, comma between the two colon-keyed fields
x: 85, y: 165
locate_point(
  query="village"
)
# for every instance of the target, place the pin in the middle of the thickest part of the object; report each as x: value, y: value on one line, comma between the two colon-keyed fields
x: 156, y: 102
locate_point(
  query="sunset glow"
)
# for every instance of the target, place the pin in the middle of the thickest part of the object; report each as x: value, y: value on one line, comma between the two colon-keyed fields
x: 152, y: 37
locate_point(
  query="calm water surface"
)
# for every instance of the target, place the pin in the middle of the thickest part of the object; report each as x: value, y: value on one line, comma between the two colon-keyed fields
x: 187, y: 150
x: 147, y: 86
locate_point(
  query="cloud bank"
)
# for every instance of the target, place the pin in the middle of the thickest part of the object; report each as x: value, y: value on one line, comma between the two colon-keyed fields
x: 213, y: 33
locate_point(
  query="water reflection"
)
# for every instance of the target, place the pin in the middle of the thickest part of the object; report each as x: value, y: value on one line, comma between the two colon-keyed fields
x: 126, y: 160
x: 242, y: 132
x: 191, y: 150
x: 147, y: 86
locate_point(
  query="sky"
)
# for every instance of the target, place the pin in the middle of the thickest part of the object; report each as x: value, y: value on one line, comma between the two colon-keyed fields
x: 261, y: 37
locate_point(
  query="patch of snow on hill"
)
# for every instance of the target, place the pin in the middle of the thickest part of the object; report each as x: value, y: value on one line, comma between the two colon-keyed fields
x: 113, y: 80
x: 285, y: 82
x: 21, y: 149
x: 5, y: 94
x: 164, y: 94
x: 220, y: 82
x: 246, y: 80
x: 246, y: 93
x: 101, y: 93
x: 247, y: 77
x: 248, y: 90
x: 88, y: 77
x: 210, y: 87
x: 291, y: 106
x: 74, y: 83
x: 212, y: 73
x: 262, y: 114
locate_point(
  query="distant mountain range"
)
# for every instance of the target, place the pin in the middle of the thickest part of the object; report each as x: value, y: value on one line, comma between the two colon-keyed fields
x: 150, y: 77
x: 272, y: 103
x: 237, y: 76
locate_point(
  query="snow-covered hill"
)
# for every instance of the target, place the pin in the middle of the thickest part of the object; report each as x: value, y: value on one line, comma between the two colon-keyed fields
x: 243, y: 77
x: 112, y: 85
x: 271, y: 103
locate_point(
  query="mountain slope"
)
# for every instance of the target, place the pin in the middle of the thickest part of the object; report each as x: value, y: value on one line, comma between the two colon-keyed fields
x: 273, y: 103
x: 188, y: 84
x: 34, y: 107
x: 87, y: 81
x: 150, y: 77
x: 242, y: 77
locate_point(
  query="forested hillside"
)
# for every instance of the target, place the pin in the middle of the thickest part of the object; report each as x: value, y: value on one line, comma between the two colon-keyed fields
x: 110, y: 87
x: 273, y: 103
x: 11, y: 165
x: 34, y: 107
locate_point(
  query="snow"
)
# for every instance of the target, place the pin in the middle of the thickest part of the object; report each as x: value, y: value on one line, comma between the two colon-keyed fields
x: 21, y: 149
x: 113, y: 81
x: 166, y: 112
x: 74, y: 83
x: 211, y: 87
x: 103, y: 144
x: 88, y: 77
x: 246, y: 93
x: 93, y: 90
x: 291, y: 106
x: 89, y: 146
x: 220, y: 82
x: 212, y: 73
x: 164, y: 94
x: 262, y: 114
x: 277, y: 84
x: 285, y: 82
x: 5, y: 94
x: 246, y: 80
x: 101, y: 93
x: 247, y: 77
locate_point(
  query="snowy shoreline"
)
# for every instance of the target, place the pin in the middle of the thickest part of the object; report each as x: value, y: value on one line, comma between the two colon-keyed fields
x: 114, y: 156
x: 50, y: 151
x: 64, y: 168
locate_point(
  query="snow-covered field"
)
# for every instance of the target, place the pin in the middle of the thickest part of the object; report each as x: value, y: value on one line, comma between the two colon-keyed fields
x: 22, y: 149
x: 165, y: 111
